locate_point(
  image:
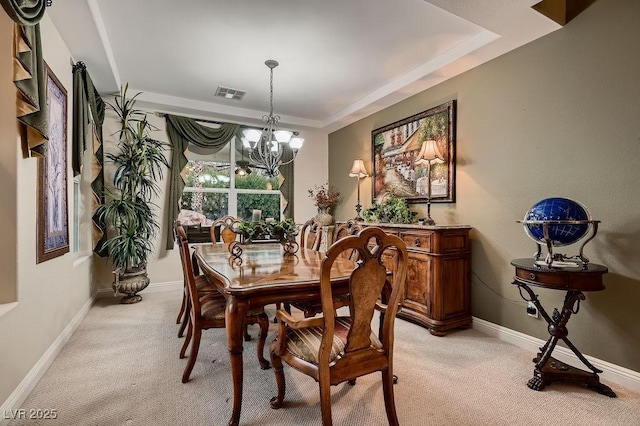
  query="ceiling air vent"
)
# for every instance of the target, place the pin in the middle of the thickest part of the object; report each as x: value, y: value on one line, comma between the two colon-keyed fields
x: 228, y: 93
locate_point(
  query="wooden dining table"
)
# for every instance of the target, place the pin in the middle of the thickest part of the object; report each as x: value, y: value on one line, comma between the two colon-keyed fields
x: 265, y: 275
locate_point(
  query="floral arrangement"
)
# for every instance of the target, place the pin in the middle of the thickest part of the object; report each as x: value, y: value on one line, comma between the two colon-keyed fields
x: 324, y: 195
x: 283, y: 231
x: 391, y: 209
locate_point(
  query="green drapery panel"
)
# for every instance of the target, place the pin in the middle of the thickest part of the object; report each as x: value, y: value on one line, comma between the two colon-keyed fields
x: 28, y: 71
x: 88, y: 107
x: 181, y: 132
x: 286, y: 183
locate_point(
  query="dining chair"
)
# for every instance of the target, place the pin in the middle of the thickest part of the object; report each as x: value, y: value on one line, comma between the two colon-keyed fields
x: 208, y: 311
x: 350, y: 227
x: 333, y: 349
x: 202, y: 284
x: 225, y: 228
x: 222, y: 228
x: 310, y: 238
x: 311, y: 234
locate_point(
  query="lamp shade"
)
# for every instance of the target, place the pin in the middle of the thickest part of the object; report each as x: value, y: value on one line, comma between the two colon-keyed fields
x: 358, y: 170
x: 252, y: 135
x: 296, y: 143
x: 283, y: 136
x: 429, y: 153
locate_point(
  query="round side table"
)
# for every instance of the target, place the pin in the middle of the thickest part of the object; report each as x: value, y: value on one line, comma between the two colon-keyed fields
x: 574, y: 281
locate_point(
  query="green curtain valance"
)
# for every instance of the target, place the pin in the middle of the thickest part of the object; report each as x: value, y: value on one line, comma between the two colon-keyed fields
x: 24, y: 12
x: 182, y: 131
x: 28, y: 71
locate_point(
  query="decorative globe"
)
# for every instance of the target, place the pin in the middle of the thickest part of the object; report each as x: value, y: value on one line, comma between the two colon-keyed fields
x: 557, y: 209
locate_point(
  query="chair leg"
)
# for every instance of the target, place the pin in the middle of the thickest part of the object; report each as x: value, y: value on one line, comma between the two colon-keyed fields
x: 182, y: 308
x: 187, y: 339
x: 389, y: 400
x: 278, y: 306
x: 185, y: 318
x: 276, y: 362
x: 325, y: 402
x: 193, y: 354
x: 263, y: 322
x: 247, y: 336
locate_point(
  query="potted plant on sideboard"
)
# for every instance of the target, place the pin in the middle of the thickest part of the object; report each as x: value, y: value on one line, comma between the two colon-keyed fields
x: 132, y: 224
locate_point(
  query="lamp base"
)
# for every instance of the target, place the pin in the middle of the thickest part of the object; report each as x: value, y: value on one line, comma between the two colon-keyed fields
x: 428, y: 221
x: 358, y: 218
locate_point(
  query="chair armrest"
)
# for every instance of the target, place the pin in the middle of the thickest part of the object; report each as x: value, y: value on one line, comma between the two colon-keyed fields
x: 381, y: 306
x: 285, y: 318
x: 287, y: 321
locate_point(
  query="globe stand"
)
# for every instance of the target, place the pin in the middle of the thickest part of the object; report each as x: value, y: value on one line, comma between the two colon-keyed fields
x: 557, y: 259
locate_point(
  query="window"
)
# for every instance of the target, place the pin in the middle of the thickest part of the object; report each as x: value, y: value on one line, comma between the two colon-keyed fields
x: 213, y: 190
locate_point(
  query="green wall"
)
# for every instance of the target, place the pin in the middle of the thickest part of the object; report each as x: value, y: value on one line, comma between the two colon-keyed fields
x: 557, y: 117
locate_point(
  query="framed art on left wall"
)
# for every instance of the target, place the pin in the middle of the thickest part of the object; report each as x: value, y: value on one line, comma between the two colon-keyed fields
x: 53, y: 219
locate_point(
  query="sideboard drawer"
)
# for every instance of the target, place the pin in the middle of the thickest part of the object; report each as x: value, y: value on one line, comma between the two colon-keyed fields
x: 421, y: 241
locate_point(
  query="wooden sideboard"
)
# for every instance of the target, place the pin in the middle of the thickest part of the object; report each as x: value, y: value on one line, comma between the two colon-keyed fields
x: 437, y: 287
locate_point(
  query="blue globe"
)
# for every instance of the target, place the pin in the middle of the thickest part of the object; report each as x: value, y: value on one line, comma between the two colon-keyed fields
x: 557, y: 209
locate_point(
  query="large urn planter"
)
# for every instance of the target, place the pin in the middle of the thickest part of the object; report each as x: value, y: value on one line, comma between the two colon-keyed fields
x: 129, y: 283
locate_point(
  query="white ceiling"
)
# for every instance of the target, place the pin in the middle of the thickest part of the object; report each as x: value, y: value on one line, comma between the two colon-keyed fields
x: 340, y: 60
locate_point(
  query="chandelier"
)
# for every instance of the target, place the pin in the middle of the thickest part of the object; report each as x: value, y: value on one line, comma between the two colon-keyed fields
x: 266, y: 146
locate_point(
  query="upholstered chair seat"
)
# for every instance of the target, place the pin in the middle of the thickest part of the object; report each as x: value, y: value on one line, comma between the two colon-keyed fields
x: 305, y: 343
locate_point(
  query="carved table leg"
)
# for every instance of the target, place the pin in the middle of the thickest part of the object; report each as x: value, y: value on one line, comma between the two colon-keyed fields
x: 548, y: 369
x: 234, y: 316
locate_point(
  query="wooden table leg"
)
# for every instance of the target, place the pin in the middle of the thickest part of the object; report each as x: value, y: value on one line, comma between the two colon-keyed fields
x: 234, y: 317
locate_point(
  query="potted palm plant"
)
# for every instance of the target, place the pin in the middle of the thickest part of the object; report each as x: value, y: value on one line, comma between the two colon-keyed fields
x: 132, y: 224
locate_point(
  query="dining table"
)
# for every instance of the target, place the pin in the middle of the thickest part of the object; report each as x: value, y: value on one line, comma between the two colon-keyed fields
x: 263, y: 274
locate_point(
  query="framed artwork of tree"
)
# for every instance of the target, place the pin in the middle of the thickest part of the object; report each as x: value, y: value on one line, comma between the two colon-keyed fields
x: 53, y: 219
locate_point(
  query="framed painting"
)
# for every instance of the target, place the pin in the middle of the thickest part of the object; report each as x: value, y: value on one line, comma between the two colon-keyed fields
x: 53, y: 219
x: 414, y: 158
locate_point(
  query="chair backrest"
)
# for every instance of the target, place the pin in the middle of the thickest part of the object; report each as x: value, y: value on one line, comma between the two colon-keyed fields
x: 311, y: 234
x: 179, y: 232
x: 189, y: 276
x: 350, y: 227
x: 370, y: 286
x: 226, y: 226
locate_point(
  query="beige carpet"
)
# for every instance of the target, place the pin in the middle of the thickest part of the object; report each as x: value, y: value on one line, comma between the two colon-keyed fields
x: 121, y: 367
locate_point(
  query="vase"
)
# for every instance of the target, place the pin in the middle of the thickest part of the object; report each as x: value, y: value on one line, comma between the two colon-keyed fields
x: 324, y: 216
x: 130, y: 282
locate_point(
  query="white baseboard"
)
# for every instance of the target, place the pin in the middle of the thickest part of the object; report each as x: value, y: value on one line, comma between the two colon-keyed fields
x: 154, y: 287
x: 25, y: 387
x: 611, y: 372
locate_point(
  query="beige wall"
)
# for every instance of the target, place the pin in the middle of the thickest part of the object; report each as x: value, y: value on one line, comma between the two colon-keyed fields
x: 49, y: 294
x: 557, y: 117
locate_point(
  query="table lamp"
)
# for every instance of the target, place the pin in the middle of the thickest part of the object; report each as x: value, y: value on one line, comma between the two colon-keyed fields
x: 429, y: 153
x: 358, y: 171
